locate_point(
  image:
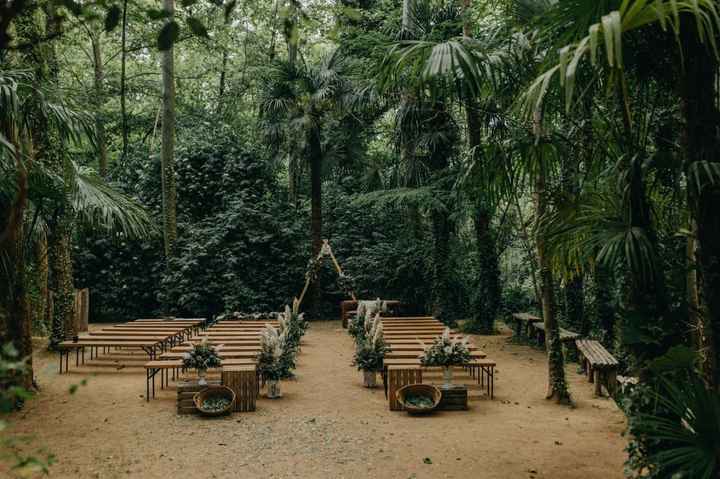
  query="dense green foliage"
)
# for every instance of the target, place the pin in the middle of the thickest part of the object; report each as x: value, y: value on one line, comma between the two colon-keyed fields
x: 471, y: 159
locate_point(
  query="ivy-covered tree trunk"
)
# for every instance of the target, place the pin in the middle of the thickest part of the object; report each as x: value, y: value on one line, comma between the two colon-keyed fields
x: 167, y: 153
x: 441, y: 306
x: 61, y: 279
x: 557, y: 384
x: 487, y: 293
x: 42, y: 278
x: 702, y: 120
x: 13, y: 292
x: 42, y: 59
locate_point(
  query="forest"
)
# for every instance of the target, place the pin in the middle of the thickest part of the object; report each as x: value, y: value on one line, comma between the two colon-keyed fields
x: 471, y: 159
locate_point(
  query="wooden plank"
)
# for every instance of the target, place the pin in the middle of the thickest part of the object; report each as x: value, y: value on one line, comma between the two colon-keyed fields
x: 399, y: 376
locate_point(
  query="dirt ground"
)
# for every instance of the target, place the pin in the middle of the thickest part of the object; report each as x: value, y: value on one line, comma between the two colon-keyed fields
x: 326, y: 425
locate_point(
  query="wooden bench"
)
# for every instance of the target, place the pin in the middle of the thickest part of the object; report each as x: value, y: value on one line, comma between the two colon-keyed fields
x: 484, y: 370
x: 523, y: 322
x: 599, y: 365
x: 166, y: 366
x: 566, y: 336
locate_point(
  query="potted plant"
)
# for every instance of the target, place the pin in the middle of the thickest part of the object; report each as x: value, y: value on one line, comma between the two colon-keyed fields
x: 272, y: 361
x: 370, y: 352
x: 201, y: 357
x: 446, y: 352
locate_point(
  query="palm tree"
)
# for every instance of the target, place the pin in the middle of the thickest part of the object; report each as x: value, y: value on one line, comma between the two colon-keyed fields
x: 695, y: 26
x: 27, y: 187
x: 296, y: 101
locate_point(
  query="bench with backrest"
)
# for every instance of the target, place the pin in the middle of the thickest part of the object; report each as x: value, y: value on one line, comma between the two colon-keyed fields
x: 599, y: 365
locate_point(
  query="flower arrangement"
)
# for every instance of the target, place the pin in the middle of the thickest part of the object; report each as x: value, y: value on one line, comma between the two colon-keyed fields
x: 365, y: 311
x: 293, y: 325
x: 446, y: 351
x: 202, y: 357
x: 370, y: 351
x: 273, y: 360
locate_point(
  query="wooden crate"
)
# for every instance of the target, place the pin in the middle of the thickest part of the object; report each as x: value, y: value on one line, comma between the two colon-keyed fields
x: 242, y: 380
x: 399, y: 376
x: 186, y: 391
x: 454, y: 397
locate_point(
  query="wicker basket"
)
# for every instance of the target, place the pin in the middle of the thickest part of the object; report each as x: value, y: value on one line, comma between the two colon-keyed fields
x: 214, y: 392
x: 427, y: 390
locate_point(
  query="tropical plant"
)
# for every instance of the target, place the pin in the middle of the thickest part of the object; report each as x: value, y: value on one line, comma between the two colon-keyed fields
x: 688, y: 428
x: 370, y: 351
x: 275, y: 360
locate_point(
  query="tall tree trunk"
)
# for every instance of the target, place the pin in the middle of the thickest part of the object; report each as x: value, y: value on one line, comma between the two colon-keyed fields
x: 64, y: 325
x: 123, y: 82
x: 557, y: 385
x: 487, y: 294
x: 316, y: 221
x: 604, y: 310
x: 441, y: 289
x: 12, y: 267
x: 700, y: 111
x: 44, y: 314
x: 99, y: 101
x: 167, y: 154
x: 488, y: 291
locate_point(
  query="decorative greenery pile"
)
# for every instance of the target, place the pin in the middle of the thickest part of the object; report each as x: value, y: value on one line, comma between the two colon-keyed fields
x: 371, y: 349
x: 419, y: 401
x: 202, y: 357
x: 446, y: 351
x: 215, y: 404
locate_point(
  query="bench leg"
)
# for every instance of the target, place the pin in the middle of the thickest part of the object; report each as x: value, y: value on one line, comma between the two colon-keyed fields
x: 597, y: 376
x: 611, y: 376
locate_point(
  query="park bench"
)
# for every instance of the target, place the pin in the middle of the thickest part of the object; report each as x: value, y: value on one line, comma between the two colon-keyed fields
x: 566, y: 336
x: 599, y: 365
x: 522, y: 323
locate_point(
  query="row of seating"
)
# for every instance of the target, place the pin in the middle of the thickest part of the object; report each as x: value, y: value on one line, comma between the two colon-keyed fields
x: 407, y: 337
x: 598, y: 363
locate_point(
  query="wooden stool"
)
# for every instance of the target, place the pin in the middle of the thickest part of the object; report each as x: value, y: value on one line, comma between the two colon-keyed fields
x: 242, y: 380
x: 399, y: 376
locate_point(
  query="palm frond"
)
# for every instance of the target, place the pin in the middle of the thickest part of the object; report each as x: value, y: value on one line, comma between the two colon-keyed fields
x: 100, y: 206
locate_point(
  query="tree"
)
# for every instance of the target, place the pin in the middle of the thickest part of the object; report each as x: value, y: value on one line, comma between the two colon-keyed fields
x: 167, y: 154
x: 295, y: 102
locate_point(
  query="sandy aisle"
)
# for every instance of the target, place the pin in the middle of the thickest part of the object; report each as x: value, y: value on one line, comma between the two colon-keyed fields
x: 326, y: 426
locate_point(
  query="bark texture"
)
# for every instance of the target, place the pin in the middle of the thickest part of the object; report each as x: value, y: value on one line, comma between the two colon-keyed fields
x: 167, y: 154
